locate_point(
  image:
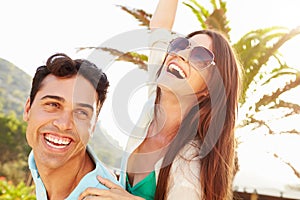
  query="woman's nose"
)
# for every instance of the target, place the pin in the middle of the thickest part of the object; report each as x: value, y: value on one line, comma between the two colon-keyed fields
x: 184, y: 54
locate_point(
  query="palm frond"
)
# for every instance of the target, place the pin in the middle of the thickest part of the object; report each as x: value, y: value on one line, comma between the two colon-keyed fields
x: 213, y: 2
x: 257, y: 47
x: 267, y: 99
x: 139, y: 14
x: 295, y: 108
x: 216, y: 20
x: 296, y: 172
x: 277, y: 74
x: 200, y: 8
x: 138, y: 59
x: 198, y: 14
x: 132, y: 57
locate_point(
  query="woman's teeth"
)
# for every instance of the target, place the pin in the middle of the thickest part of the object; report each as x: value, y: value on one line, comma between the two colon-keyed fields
x: 177, y: 71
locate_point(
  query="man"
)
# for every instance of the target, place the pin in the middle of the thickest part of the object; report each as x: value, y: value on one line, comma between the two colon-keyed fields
x: 61, y: 113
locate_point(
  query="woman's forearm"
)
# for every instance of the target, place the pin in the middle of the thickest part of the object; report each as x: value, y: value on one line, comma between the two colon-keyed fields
x: 164, y: 14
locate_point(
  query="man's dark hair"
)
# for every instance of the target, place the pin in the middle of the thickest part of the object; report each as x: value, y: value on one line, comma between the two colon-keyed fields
x: 63, y: 66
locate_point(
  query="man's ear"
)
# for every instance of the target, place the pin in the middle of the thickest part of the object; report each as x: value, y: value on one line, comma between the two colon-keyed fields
x: 26, y: 110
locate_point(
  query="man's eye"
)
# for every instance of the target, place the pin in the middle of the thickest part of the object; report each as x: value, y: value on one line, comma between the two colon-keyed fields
x: 82, y: 114
x: 52, y: 105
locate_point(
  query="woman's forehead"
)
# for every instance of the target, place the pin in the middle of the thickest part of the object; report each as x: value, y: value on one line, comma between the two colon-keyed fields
x: 202, y: 40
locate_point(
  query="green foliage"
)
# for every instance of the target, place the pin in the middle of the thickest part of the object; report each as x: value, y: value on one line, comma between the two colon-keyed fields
x: 13, y: 143
x: 263, y: 65
x: 255, y: 49
x: 15, y: 170
x: 13, y: 147
x: 216, y: 19
x: 9, y: 191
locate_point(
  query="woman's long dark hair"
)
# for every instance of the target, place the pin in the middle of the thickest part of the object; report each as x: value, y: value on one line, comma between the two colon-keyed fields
x: 217, y: 167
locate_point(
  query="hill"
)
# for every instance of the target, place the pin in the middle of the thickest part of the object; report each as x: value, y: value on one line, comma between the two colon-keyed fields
x: 14, y: 88
x: 106, y: 148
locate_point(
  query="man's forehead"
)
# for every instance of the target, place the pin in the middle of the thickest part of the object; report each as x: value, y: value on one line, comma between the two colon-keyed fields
x: 75, y: 89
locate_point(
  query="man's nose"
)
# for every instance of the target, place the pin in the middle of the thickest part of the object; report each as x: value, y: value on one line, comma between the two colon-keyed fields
x: 64, y: 121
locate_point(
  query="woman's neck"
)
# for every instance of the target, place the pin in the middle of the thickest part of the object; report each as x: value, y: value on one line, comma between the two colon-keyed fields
x: 173, y: 108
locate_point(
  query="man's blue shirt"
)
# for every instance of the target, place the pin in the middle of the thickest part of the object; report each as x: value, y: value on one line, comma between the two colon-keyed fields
x: 89, y: 180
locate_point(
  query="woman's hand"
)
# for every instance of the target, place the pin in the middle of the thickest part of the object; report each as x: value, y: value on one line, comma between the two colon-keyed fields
x: 114, y: 192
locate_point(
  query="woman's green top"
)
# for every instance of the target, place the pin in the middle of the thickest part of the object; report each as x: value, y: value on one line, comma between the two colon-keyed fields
x: 145, y: 188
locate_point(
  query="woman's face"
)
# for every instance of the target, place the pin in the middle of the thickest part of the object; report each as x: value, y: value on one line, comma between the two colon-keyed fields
x: 179, y: 76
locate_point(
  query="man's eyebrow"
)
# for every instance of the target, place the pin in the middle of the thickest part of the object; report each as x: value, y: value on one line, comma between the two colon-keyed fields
x: 58, y: 98
x: 85, y: 105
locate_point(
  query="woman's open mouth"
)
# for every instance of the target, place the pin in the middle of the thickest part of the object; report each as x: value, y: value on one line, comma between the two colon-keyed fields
x: 176, y: 71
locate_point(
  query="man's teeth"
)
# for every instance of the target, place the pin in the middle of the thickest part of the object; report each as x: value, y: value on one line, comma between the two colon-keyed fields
x: 178, y: 69
x: 57, y: 142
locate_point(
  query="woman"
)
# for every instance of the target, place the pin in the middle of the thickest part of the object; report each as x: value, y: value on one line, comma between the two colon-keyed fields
x: 188, y: 148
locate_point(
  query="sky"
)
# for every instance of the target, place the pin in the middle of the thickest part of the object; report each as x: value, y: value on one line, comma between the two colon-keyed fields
x: 33, y: 30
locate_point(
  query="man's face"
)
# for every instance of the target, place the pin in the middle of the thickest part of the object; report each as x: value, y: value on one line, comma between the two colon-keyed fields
x: 60, y: 120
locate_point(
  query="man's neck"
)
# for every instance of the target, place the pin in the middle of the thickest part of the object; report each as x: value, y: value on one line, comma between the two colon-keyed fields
x: 60, y: 182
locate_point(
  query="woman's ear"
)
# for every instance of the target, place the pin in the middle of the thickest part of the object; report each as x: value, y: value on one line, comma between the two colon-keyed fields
x: 26, y: 110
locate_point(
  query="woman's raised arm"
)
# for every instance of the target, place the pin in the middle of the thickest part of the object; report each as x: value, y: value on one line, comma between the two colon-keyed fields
x: 164, y: 14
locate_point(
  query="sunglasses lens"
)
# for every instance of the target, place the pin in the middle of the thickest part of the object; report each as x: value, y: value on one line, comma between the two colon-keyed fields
x: 201, y: 57
x: 178, y: 44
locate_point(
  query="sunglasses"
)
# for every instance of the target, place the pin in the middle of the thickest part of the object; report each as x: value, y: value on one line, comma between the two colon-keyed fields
x: 199, y: 57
